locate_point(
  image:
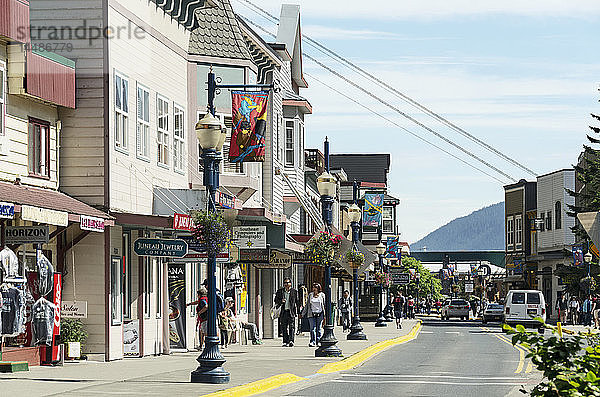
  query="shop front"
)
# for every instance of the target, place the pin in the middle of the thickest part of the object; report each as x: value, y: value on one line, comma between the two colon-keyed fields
x: 38, y: 229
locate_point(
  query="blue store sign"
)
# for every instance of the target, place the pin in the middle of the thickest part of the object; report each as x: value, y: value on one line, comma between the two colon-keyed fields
x: 7, y: 210
x: 160, y: 247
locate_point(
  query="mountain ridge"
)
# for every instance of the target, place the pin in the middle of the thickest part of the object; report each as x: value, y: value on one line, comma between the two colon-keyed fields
x: 481, y: 230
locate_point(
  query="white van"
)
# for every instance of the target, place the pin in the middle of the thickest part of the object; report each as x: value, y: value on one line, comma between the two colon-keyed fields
x: 522, y: 306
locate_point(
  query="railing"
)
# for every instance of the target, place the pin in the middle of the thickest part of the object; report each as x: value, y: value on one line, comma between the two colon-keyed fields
x: 308, y: 205
x: 314, y: 159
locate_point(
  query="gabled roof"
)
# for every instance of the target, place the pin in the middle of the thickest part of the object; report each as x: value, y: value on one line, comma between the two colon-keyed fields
x: 289, y: 33
x: 218, y: 34
x: 363, y: 167
x: 183, y: 10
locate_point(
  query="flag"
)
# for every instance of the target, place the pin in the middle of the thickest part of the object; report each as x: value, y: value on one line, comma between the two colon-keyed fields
x: 373, y: 209
x: 249, y: 110
x: 391, y: 250
x: 474, y: 269
x: 577, y: 255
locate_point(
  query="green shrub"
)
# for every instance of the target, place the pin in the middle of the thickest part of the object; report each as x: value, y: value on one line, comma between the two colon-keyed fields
x: 72, y: 330
x: 570, y: 363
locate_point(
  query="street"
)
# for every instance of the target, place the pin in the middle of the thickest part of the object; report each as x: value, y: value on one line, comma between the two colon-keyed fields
x: 449, y: 358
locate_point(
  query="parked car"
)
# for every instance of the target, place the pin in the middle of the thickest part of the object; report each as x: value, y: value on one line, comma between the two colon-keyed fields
x: 522, y: 306
x: 493, y: 312
x: 455, y: 308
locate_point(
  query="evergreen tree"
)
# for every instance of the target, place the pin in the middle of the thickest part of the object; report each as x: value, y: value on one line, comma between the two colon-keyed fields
x: 588, y: 174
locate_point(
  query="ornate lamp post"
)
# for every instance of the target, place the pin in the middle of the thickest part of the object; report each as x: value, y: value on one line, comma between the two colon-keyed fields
x: 211, y: 138
x: 587, y: 258
x: 327, y: 186
x: 380, y: 322
x: 355, y: 215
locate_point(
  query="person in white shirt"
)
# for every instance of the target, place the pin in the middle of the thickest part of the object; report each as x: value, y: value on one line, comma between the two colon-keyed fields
x: 314, y: 311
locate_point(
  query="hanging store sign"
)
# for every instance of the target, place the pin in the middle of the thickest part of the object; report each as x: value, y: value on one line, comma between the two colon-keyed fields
x: 227, y: 201
x: 250, y: 236
x: 160, y: 247
x: 183, y: 222
x: 303, y: 258
x: 44, y: 215
x: 7, y: 210
x: 27, y: 234
x: 254, y: 256
x: 398, y: 277
x: 91, y: 224
x: 74, y: 309
x: 279, y: 260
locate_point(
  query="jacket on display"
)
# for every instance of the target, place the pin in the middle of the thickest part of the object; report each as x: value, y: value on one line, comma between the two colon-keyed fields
x: 45, y: 273
x: 10, y: 262
x: 13, y: 311
x: 42, y: 322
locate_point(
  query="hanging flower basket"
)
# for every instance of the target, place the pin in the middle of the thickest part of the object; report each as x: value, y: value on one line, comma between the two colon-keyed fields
x: 354, y: 258
x: 323, y: 247
x: 588, y: 284
x: 382, y: 279
x: 211, y: 231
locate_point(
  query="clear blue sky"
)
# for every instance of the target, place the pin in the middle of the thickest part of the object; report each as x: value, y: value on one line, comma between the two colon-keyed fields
x: 522, y: 76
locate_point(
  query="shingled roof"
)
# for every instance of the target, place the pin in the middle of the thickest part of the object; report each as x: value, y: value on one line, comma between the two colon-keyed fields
x: 218, y: 34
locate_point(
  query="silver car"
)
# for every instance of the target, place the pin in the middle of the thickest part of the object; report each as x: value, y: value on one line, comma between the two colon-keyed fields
x: 493, y: 312
x: 456, y: 308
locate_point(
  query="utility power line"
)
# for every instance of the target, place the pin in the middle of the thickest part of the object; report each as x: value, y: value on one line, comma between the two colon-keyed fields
x: 402, y: 113
x: 335, y: 56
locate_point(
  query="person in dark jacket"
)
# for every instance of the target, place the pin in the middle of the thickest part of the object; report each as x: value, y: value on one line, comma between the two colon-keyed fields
x: 287, y: 298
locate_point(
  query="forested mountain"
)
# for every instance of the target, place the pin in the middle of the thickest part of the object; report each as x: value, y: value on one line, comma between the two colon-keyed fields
x: 480, y: 230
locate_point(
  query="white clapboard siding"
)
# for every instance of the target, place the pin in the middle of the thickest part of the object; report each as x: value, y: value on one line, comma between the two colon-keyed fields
x: 81, y: 138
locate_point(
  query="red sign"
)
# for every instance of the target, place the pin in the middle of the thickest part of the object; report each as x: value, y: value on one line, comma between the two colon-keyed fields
x: 50, y: 354
x: 92, y: 224
x: 183, y: 222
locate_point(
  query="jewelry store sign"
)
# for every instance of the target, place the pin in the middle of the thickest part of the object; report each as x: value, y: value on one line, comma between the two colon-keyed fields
x: 250, y: 237
x: 44, y: 215
x: 156, y: 247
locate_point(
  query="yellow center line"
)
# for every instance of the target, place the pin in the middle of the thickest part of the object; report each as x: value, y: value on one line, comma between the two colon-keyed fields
x: 529, y: 367
x: 520, y: 349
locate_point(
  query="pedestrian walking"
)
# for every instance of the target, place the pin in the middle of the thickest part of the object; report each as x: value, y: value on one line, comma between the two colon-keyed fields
x: 561, y: 306
x: 398, y: 303
x: 411, y: 307
x: 201, y: 314
x: 345, y: 310
x: 596, y: 311
x: 587, y: 308
x: 287, y: 299
x: 314, y: 311
x: 573, y: 310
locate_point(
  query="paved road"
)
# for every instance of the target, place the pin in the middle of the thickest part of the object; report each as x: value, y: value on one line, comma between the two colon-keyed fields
x: 449, y: 358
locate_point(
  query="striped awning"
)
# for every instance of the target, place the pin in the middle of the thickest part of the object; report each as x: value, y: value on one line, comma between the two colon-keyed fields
x: 184, y: 11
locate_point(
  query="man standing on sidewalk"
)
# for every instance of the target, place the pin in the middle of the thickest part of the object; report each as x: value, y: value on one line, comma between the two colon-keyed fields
x: 287, y: 297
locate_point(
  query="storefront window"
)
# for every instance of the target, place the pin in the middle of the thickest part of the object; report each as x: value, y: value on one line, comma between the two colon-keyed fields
x: 116, y: 291
x: 147, y: 285
x: 159, y: 276
x: 39, y: 148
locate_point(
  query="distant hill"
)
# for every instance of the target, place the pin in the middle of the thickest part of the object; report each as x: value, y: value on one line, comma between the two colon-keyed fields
x: 480, y: 230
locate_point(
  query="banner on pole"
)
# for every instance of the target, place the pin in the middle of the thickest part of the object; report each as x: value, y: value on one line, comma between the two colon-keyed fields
x: 391, y: 249
x: 373, y: 209
x: 249, y: 110
x: 577, y: 255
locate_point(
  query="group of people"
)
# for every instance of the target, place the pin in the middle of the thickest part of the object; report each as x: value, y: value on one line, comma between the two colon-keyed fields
x: 228, y: 321
x: 578, y: 311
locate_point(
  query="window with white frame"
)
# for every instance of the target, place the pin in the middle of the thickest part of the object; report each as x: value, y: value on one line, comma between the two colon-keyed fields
x: 121, y: 110
x: 143, y: 122
x: 543, y: 223
x: 289, y: 143
x: 2, y: 96
x: 301, y: 147
x: 116, y: 291
x: 510, y: 229
x: 388, y: 219
x: 549, y: 220
x: 178, y: 138
x: 162, y: 130
x: 38, y: 148
x: 518, y: 231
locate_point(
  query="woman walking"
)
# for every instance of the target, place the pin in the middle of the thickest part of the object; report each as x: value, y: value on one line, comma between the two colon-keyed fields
x: 313, y: 310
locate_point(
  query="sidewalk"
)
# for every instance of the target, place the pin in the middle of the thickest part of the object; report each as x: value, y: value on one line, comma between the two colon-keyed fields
x: 170, y: 375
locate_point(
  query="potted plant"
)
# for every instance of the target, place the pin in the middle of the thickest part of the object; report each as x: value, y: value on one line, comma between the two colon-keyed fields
x: 322, y: 247
x: 73, y: 335
x: 355, y: 258
x: 211, y: 231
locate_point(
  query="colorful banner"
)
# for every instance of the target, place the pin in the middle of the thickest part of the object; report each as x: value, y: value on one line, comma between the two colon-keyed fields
x: 392, y: 248
x: 176, y: 279
x: 451, y: 269
x: 474, y: 269
x: 372, y: 210
x: 577, y: 255
x: 249, y: 125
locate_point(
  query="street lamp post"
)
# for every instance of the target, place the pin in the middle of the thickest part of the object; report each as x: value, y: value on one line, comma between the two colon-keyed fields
x: 587, y: 258
x: 380, y: 322
x: 355, y: 215
x: 418, y: 279
x: 327, y: 186
x: 388, y: 313
x: 211, y: 139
